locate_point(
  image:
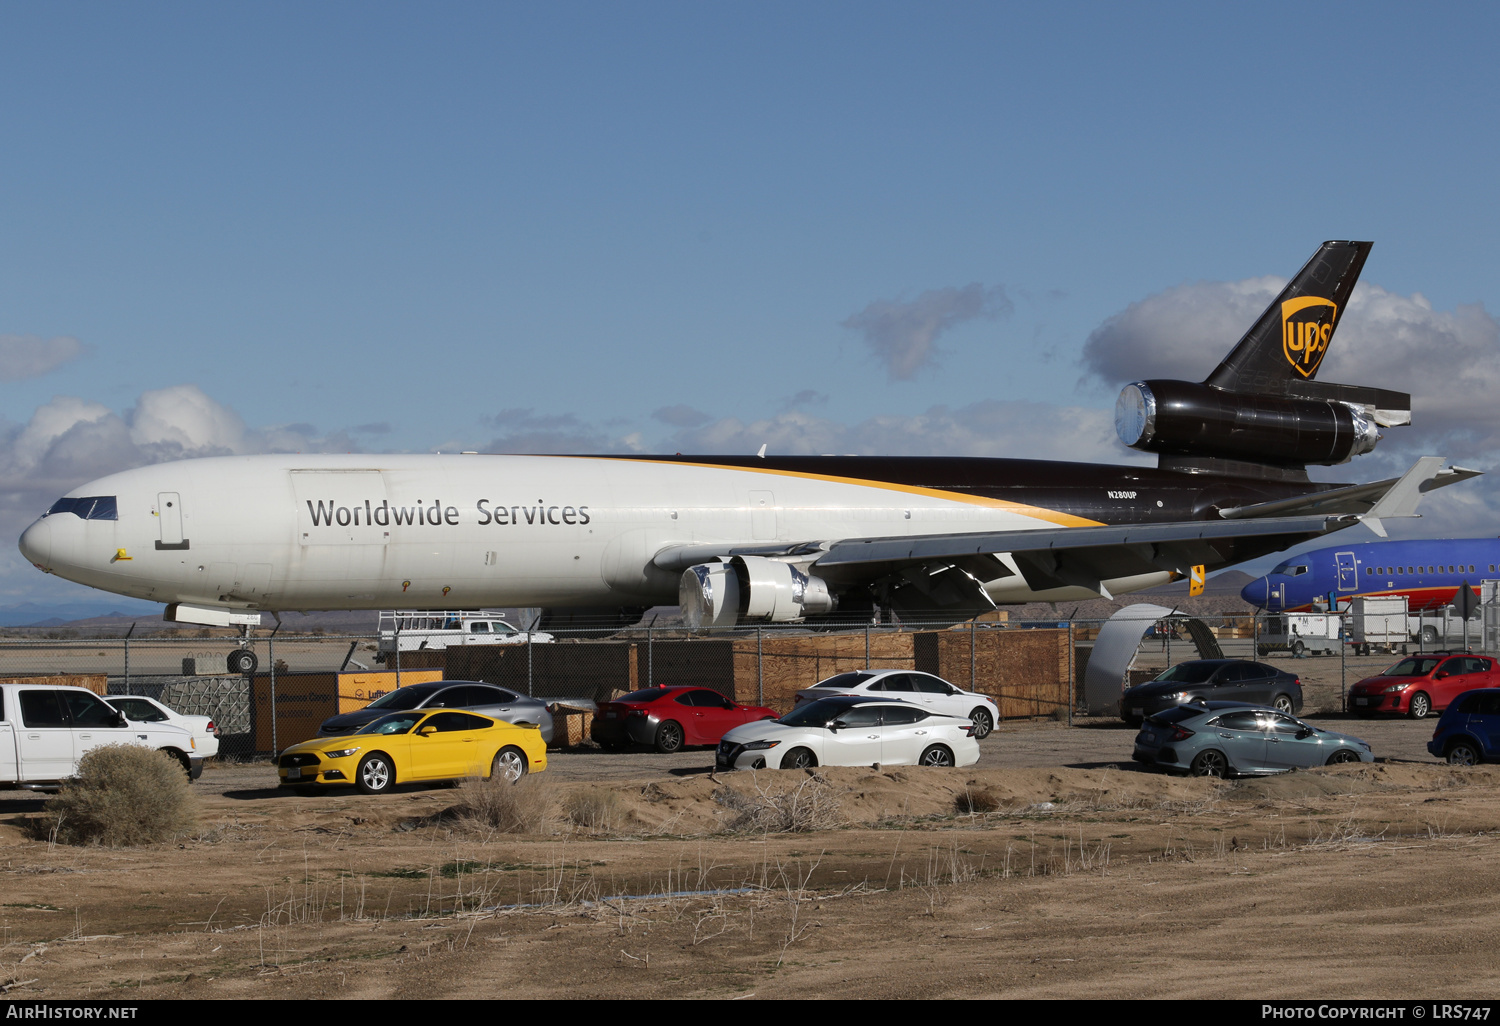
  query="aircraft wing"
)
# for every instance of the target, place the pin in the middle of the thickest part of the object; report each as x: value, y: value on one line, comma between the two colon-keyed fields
x: 1051, y: 558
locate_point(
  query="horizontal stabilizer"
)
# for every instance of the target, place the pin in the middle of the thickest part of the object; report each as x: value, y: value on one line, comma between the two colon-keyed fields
x: 1355, y: 500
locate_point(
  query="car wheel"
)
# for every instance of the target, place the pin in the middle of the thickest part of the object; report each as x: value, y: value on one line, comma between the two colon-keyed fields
x: 242, y: 661
x: 1429, y: 635
x: 1420, y: 706
x: 1342, y: 755
x: 936, y: 755
x: 1282, y: 704
x: 1211, y: 763
x: 1298, y: 648
x: 799, y: 758
x: 982, y: 723
x: 669, y: 737
x: 1462, y: 753
x: 509, y: 765
x: 375, y: 775
x: 181, y: 760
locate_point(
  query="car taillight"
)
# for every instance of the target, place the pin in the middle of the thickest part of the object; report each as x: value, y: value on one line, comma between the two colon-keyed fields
x: 635, y: 712
x: 1180, y: 734
x: 969, y: 730
x: 1297, y: 681
x: 211, y: 728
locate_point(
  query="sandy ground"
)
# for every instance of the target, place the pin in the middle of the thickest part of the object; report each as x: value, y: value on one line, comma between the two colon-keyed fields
x: 1094, y: 879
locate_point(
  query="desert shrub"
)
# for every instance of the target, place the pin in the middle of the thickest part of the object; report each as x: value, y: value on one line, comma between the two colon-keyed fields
x: 971, y: 803
x: 524, y: 807
x: 810, y: 804
x: 592, y: 810
x: 123, y: 795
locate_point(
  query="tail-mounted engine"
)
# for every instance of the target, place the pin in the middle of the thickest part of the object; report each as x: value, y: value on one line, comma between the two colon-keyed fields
x: 1180, y: 418
x: 750, y: 589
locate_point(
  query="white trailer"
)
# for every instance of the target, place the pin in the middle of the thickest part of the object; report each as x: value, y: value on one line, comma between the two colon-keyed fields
x: 1379, y: 621
x: 1300, y: 633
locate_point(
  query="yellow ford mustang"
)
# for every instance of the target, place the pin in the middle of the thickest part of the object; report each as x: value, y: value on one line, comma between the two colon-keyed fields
x: 423, y: 744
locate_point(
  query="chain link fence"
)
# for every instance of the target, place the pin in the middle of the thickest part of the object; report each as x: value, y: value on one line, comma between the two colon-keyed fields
x: 1029, y: 668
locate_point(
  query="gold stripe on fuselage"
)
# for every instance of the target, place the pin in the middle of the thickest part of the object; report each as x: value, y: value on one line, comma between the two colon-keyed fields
x: 1051, y: 516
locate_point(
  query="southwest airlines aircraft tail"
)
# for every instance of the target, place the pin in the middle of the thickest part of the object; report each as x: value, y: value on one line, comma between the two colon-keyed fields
x: 737, y: 540
x: 1428, y: 573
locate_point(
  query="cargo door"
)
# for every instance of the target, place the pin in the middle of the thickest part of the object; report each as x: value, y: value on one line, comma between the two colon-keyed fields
x: 343, y: 532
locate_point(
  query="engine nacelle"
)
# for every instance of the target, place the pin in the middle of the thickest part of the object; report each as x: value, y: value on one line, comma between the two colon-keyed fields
x: 750, y: 589
x: 1180, y: 418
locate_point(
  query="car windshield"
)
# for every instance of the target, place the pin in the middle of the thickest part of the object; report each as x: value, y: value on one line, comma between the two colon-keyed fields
x: 395, y: 723
x: 1189, y: 673
x: 643, y: 695
x: 1417, y: 666
x: 816, y: 714
x: 402, y: 698
x: 852, y: 679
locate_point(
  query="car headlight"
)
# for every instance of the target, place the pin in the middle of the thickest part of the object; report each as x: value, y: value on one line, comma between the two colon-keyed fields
x: 1397, y: 687
x: 759, y: 746
x: 342, y: 753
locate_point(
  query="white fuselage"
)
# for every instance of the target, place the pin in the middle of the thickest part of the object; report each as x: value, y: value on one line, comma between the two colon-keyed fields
x: 467, y: 531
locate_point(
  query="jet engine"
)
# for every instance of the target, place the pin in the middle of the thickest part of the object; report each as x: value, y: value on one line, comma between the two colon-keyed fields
x: 750, y: 589
x: 1180, y: 418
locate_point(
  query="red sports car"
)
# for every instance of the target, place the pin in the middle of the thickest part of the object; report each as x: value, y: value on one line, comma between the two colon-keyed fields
x: 668, y: 718
x: 1421, y: 684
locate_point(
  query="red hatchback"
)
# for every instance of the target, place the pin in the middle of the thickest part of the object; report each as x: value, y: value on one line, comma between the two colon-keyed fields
x: 668, y: 718
x: 1421, y: 684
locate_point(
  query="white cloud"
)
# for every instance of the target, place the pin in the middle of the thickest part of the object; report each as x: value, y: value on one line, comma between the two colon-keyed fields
x: 904, y: 335
x: 29, y: 356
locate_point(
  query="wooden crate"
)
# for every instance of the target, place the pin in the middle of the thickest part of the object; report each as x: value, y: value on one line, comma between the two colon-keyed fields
x: 98, y: 683
x: 1025, y: 672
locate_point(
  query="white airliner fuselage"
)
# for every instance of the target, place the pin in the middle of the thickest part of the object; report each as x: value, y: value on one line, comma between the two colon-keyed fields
x: 423, y: 531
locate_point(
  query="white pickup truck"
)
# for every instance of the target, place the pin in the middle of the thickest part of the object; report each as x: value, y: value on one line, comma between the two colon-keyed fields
x: 419, y: 630
x: 46, y: 729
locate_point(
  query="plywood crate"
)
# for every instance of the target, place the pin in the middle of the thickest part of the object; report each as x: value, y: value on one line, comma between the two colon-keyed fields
x: 1025, y: 672
x: 800, y: 661
x: 98, y: 683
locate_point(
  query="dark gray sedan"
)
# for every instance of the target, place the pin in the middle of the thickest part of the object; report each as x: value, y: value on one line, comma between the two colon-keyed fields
x: 1219, y: 739
x: 1213, y: 680
x: 474, y: 695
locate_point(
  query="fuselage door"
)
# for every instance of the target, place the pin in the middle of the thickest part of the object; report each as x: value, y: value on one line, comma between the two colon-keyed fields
x: 1348, y: 575
x: 169, y: 520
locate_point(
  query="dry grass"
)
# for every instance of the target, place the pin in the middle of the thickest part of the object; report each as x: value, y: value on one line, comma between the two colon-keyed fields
x: 972, y: 803
x: 810, y: 804
x: 593, y: 810
x: 123, y: 795
x: 525, y: 807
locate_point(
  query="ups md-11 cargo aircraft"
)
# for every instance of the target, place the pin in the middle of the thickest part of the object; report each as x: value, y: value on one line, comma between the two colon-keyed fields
x: 824, y: 540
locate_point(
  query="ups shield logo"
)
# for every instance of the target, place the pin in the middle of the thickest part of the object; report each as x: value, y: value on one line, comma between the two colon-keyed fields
x: 1306, y: 327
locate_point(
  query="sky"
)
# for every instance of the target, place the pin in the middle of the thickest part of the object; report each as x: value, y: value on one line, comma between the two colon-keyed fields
x: 935, y: 228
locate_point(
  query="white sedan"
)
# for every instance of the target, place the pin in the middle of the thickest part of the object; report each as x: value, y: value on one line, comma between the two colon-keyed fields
x: 140, y: 709
x: 850, y: 731
x: 923, y: 689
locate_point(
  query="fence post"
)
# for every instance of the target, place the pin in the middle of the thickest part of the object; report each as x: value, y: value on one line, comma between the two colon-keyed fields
x: 1072, y: 698
x: 127, y: 659
x: 760, y: 670
x: 397, y: 636
x: 650, y: 657
x: 528, y: 665
x: 973, y: 659
x: 867, y: 646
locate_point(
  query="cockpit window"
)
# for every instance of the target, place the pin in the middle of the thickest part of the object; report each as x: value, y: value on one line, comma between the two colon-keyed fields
x: 1290, y: 569
x: 88, y: 507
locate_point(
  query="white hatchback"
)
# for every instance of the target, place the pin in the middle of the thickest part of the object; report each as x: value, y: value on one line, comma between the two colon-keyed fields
x: 139, y: 709
x: 850, y: 731
x: 932, y: 693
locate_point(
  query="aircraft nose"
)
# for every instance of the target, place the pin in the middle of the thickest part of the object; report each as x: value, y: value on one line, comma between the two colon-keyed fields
x: 36, y: 544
